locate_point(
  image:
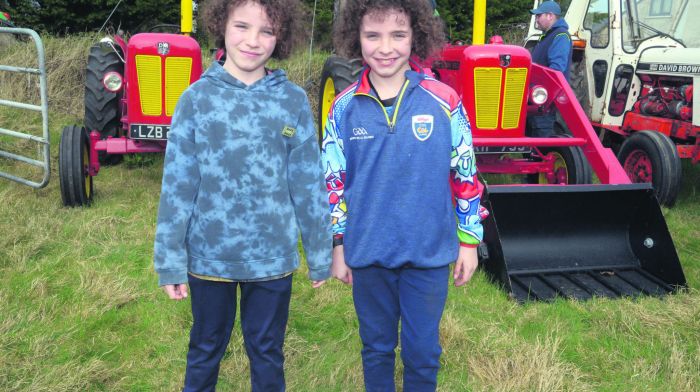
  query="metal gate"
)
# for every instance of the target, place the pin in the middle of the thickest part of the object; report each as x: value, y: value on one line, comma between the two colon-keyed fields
x: 44, y: 142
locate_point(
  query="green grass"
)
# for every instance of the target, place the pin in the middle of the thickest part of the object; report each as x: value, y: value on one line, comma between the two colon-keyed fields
x: 81, y: 310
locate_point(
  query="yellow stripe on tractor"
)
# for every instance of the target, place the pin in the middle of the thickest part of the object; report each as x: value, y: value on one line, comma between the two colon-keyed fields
x: 513, y: 97
x: 149, y: 73
x: 177, y: 79
x: 487, y: 91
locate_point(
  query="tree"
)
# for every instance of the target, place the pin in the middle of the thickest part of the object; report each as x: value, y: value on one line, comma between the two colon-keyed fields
x: 73, y: 16
x: 323, y: 22
x: 457, y: 14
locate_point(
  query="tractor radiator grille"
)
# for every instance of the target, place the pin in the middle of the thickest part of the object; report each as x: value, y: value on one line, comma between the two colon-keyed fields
x: 150, y: 76
x: 149, y: 73
x: 487, y: 92
x: 513, y: 97
x: 177, y: 78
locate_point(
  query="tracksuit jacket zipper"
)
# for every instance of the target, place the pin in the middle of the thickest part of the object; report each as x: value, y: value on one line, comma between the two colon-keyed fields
x: 390, y: 122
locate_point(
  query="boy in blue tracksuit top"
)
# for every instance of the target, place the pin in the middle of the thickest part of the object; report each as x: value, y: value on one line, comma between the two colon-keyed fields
x: 242, y: 179
x: 403, y: 191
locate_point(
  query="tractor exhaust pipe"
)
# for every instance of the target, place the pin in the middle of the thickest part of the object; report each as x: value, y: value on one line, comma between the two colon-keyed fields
x: 186, y: 17
x: 479, y: 30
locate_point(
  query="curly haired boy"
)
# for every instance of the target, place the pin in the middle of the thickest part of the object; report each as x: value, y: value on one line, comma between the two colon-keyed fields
x: 403, y: 194
x: 242, y: 179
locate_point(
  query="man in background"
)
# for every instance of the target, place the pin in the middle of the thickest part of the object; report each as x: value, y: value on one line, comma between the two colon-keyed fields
x: 554, y: 51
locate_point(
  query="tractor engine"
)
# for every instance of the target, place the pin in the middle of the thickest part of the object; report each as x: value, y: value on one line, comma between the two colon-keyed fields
x: 666, y: 76
x: 666, y: 97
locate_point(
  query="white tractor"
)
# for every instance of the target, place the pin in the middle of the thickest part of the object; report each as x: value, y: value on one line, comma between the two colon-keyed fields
x: 634, y: 67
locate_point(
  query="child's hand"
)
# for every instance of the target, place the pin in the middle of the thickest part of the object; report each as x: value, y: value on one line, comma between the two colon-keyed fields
x: 339, y: 269
x: 465, y: 265
x: 317, y: 283
x: 176, y: 291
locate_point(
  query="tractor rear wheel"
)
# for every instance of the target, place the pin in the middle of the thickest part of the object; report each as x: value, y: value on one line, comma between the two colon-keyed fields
x: 570, y: 166
x: 579, y: 83
x: 338, y: 73
x: 650, y: 156
x: 102, y: 111
x: 73, y: 164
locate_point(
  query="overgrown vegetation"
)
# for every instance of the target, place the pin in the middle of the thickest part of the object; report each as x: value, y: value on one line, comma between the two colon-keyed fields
x: 81, y: 310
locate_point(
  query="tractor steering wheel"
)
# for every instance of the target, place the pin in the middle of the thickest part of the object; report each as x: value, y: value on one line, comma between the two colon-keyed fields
x: 165, y: 28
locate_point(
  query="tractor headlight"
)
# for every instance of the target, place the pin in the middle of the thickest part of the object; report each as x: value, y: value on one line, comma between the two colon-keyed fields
x: 538, y: 95
x: 112, y: 81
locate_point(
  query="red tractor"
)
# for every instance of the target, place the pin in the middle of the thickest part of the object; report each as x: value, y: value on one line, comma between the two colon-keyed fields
x: 561, y: 235
x: 131, y: 90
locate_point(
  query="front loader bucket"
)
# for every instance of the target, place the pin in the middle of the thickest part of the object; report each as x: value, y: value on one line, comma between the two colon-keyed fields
x: 579, y: 241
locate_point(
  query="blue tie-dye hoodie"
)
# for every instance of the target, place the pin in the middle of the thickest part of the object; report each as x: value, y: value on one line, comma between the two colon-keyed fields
x: 242, y: 179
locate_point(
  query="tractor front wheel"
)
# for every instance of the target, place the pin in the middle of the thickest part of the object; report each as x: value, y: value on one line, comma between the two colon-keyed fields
x: 73, y: 165
x: 102, y: 110
x: 650, y: 156
x: 570, y: 167
x: 338, y: 73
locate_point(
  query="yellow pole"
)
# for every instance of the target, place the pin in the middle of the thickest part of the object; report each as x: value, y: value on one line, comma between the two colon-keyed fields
x: 479, y: 22
x: 186, y: 17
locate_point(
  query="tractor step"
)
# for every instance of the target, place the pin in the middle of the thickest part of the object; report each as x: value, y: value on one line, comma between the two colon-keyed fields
x: 579, y: 241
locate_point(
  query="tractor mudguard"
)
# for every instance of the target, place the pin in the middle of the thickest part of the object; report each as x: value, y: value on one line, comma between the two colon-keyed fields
x: 578, y: 241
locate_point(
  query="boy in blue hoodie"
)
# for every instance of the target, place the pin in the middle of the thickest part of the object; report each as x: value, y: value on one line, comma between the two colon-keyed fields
x: 403, y: 191
x: 242, y: 179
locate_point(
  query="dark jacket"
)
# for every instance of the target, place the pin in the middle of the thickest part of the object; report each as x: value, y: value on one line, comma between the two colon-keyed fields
x: 554, y: 48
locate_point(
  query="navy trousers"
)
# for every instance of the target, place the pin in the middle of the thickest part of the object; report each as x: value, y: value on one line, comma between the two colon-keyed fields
x: 264, y: 313
x: 416, y: 297
x: 541, y: 125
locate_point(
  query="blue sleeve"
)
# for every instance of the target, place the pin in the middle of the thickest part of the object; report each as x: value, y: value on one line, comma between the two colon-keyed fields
x: 179, y: 190
x: 308, y: 193
x: 559, y: 52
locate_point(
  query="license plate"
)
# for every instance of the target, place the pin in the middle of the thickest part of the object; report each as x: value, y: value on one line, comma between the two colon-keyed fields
x: 501, y: 150
x: 149, y: 132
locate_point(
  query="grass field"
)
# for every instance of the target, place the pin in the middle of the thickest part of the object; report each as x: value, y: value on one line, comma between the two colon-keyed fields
x: 81, y: 310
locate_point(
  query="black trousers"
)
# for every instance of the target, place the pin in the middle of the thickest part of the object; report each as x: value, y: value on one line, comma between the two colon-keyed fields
x: 264, y: 313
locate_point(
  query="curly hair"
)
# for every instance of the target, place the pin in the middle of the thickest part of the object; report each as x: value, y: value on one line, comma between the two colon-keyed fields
x: 286, y: 17
x: 428, y: 30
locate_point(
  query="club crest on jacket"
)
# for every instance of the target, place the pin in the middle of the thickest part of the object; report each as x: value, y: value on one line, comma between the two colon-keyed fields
x: 422, y: 125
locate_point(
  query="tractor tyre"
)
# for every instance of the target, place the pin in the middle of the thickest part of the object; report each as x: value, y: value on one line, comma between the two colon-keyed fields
x: 73, y: 164
x: 102, y: 112
x: 650, y: 156
x: 338, y: 73
x: 579, y: 83
x: 570, y: 166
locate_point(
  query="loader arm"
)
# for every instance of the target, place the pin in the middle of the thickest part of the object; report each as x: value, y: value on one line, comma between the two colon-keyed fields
x: 602, y: 159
